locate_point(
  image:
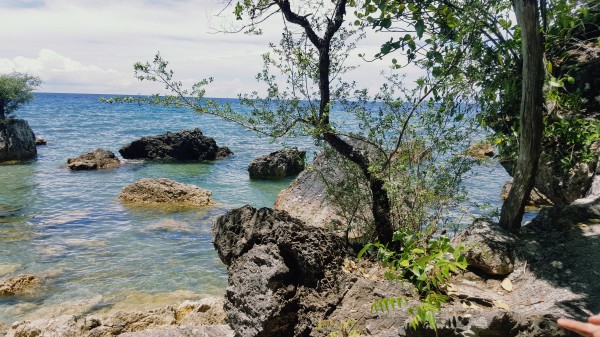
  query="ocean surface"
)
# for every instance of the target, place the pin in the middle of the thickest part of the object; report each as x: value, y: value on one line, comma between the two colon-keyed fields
x: 97, y: 254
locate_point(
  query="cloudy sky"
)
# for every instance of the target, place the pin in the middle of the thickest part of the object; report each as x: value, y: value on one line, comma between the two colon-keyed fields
x: 89, y: 46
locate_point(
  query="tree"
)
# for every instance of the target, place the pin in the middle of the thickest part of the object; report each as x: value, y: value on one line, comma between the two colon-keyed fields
x: 532, y: 126
x: 16, y: 90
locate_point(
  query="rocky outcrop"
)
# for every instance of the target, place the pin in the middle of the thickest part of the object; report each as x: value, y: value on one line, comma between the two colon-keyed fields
x: 536, y: 198
x: 480, y: 150
x: 17, y: 140
x: 97, y: 159
x: 39, y: 141
x: 183, y: 145
x: 309, y: 200
x: 279, y: 164
x: 191, y: 318
x: 284, y: 277
x: 21, y: 284
x: 162, y: 191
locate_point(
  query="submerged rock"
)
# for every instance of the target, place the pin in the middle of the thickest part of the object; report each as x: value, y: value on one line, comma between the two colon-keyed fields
x: 161, y: 191
x: 183, y: 145
x: 278, y: 164
x: 21, y: 284
x: 284, y: 277
x: 97, y: 159
x: 17, y: 140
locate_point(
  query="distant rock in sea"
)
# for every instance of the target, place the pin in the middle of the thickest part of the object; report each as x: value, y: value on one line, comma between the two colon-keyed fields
x: 279, y: 164
x: 183, y: 145
x: 162, y: 191
x: 39, y: 141
x: 17, y: 140
x: 97, y: 159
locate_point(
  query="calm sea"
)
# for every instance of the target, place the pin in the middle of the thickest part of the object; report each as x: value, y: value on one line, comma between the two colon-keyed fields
x: 97, y: 254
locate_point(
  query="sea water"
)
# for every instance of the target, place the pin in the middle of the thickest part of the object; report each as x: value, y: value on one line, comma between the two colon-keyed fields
x: 95, y: 253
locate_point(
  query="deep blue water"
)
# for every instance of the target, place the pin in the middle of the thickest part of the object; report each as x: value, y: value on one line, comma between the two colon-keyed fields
x: 68, y: 226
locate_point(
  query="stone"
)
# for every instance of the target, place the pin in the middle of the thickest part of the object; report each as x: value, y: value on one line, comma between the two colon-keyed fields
x: 278, y: 164
x: 183, y: 145
x: 21, y: 284
x: 284, y: 277
x: 39, y: 141
x: 536, y: 198
x: 184, y: 331
x: 480, y: 150
x: 17, y: 140
x: 161, y: 191
x: 492, y: 248
x: 97, y: 159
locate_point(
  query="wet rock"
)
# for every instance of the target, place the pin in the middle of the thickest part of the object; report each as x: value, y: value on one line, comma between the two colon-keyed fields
x: 164, y: 191
x: 480, y: 150
x: 21, y: 284
x: 39, y: 141
x: 492, y: 249
x: 97, y: 159
x: 284, y: 277
x: 536, y: 198
x: 279, y: 164
x: 183, y: 145
x: 17, y: 140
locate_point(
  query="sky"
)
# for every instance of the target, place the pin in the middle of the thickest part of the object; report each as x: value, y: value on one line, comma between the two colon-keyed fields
x: 90, y: 46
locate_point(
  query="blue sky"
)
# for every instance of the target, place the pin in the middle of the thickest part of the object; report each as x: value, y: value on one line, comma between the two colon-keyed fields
x: 89, y: 46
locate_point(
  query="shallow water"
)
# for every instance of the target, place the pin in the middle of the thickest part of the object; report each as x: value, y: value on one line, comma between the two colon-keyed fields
x: 99, y: 254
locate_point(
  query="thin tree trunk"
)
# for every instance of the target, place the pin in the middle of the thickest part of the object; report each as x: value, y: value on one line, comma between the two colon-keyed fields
x: 532, y: 125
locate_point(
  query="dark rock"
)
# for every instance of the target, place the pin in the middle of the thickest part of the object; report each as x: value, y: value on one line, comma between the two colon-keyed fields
x: 97, y: 159
x: 183, y: 145
x: 284, y: 277
x: 536, y: 198
x: 17, y: 140
x: 39, y: 141
x: 492, y: 249
x: 279, y: 164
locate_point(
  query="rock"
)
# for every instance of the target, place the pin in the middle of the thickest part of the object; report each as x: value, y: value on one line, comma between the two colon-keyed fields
x: 183, y: 145
x: 97, y: 159
x: 165, y: 191
x: 564, y: 188
x: 39, y: 141
x: 284, y: 277
x: 480, y: 150
x: 191, y: 318
x: 22, y: 284
x: 492, y: 249
x: 17, y: 141
x: 308, y: 198
x: 279, y: 164
x: 536, y: 198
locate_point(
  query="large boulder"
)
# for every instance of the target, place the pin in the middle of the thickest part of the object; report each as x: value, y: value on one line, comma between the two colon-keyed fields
x: 163, y: 191
x: 17, y: 140
x: 536, y: 198
x: 97, y: 159
x: 278, y: 164
x: 284, y: 277
x: 183, y: 145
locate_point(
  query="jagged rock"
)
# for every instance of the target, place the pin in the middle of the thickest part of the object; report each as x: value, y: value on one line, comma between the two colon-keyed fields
x: 492, y: 249
x: 278, y: 164
x: 191, y: 318
x: 307, y: 198
x: 17, y: 140
x: 561, y: 188
x: 183, y: 145
x: 165, y: 191
x: 97, y: 159
x: 536, y: 198
x: 480, y: 150
x: 284, y: 277
x: 21, y: 284
x: 39, y: 141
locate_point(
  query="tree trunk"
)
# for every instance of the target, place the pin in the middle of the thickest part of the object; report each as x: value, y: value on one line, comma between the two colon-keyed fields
x: 532, y: 125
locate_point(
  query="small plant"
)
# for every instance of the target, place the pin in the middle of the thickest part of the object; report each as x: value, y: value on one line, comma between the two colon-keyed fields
x: 345, y: 328
x: 427, y: 263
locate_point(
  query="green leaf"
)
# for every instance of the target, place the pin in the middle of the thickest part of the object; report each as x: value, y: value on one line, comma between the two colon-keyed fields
x: 420, y: 27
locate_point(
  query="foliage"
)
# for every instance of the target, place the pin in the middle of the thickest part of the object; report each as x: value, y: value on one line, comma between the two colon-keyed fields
x: 343, y: 328
x: 424, y: 261
x: 16, y: 90
x: 576, y: 137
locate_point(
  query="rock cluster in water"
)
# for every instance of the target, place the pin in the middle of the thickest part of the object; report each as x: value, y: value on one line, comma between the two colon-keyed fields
x: 278, y: 164
x: 17, y: 140
x: 183, y: 145
x: 97, y: 159
x: 163, y: 191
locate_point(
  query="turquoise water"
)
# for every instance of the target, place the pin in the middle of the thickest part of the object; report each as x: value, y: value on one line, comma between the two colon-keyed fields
x: 99, y: 254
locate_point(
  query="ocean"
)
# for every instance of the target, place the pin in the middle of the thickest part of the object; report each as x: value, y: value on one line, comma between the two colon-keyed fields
x: 97, y: 254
